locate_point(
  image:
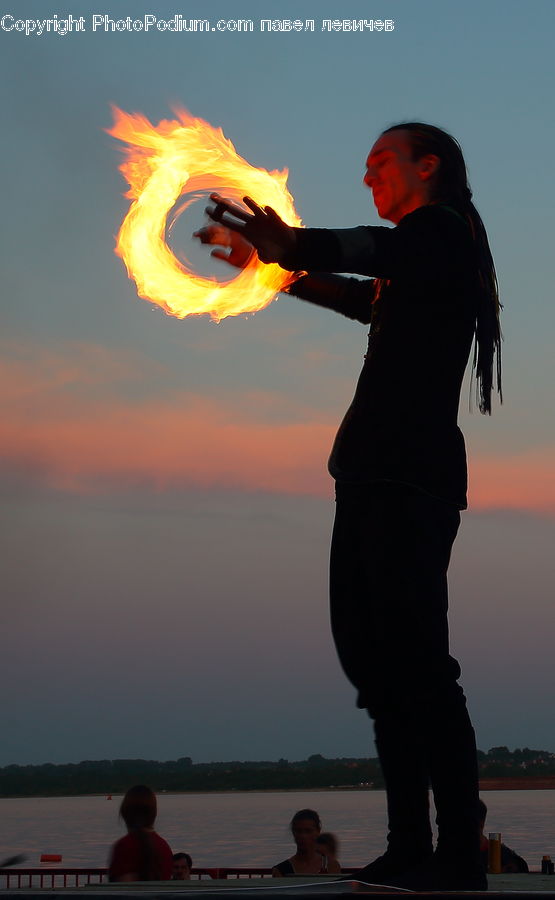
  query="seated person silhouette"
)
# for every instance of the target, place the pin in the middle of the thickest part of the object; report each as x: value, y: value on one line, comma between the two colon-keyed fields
x: 308, y: 859
x: 510, y: 861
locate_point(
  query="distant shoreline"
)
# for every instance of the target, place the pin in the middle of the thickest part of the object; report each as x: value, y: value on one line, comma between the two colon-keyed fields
x: 523, y: 783
x: 532, y: 783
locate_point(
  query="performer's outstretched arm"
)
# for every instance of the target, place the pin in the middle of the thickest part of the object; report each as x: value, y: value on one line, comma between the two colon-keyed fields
x: 348, y: 296
x: 311, y: 249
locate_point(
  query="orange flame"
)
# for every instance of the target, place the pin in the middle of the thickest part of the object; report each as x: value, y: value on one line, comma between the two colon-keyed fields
x: 182, y: 157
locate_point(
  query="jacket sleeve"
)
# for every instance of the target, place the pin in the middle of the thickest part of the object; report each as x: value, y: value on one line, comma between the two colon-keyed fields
x: 349, y: 296
x: 431, y: 242
x: 335, y: 250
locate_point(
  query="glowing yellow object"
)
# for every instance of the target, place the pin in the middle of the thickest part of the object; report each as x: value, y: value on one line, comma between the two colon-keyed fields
x: 182, y: 157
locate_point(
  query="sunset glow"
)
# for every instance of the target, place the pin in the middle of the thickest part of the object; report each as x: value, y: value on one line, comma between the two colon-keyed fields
x: 253, y: 440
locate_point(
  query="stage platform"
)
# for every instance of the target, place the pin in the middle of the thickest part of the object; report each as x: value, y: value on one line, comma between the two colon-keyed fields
x: 500, y: 886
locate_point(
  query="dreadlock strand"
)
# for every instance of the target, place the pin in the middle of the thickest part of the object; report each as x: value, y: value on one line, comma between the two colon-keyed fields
x: 452, y: 187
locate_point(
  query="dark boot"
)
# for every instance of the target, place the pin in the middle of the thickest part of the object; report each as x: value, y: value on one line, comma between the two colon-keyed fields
x: 454, y: 778
x: 456, y: 863
x: 405, y: 771
x: 439, y: 875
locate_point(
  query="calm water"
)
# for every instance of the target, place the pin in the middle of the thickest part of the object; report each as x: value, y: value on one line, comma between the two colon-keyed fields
x: 249, y: 829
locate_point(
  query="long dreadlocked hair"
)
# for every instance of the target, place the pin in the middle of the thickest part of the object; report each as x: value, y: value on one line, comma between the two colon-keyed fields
x: 451, y: 186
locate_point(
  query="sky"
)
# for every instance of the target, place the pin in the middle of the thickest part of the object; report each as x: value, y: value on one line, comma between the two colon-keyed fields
x: 166, y: 506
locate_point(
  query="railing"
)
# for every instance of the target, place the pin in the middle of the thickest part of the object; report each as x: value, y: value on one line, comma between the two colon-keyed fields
x: 50, y: 878
x: 252, y: 872
x: 242, y: 872
x: 67, y: 877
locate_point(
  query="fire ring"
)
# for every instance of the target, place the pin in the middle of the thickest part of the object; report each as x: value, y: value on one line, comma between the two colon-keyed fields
x: 189, y: 156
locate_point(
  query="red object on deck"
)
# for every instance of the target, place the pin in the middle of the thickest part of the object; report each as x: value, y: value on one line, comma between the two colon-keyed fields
x: 51, y: 857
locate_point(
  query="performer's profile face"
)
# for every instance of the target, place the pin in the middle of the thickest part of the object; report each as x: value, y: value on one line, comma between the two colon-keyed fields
x: 398, y: 183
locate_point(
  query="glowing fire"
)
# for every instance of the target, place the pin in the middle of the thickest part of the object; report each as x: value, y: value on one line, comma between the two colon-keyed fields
x: 188, y: 156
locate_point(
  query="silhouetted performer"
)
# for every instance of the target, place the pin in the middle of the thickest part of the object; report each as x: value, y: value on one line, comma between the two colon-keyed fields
x: 400, y: 469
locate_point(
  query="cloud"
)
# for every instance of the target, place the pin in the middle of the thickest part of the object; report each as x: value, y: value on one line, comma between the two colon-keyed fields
x: 522, y: 481
x: 66, y: 423
x: 191, y: 443
x: 88, y: 419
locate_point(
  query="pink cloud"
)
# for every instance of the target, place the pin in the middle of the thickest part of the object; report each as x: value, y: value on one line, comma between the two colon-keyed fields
x: 191, y: 443
x: 59, y: 430
x: 523, y: 481
x: 65, y: 422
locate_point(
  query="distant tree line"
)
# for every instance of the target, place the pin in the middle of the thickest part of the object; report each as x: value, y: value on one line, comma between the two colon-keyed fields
x: 501, y: 762
x: 107, y: 776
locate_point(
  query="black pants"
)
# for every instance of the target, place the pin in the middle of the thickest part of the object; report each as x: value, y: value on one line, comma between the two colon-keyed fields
x: 388, y: 583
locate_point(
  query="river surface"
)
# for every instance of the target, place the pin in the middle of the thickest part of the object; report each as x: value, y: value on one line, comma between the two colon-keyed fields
x: 242, y: 829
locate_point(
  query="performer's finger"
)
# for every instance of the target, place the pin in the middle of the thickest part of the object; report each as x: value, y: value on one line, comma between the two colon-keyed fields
x: 220, y: 254
x: 227, y: 206
x: 272, y: 214
x: 233, y: 225
x: 216, y: 213
x: 252, y: 205
x: 213, y: 234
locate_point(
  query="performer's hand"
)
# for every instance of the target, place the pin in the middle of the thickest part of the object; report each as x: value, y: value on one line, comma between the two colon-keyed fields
x: 239, y: 251
x: 264, y: 229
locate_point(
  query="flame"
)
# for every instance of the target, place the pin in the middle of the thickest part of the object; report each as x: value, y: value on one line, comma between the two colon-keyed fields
x: 189, y: 156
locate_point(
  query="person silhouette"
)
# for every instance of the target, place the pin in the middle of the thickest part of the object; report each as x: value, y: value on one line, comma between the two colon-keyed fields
x: 399, y: 464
